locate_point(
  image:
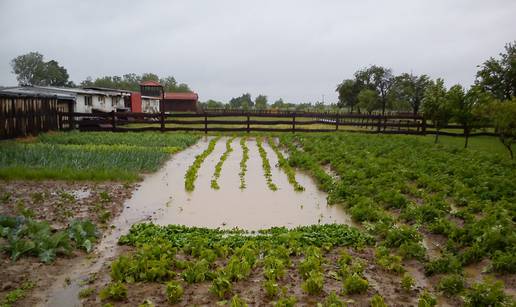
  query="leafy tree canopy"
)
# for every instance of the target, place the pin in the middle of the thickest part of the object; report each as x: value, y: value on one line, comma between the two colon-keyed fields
x: 31, y: 69
x: 498, y: 76
x: 131, y: 82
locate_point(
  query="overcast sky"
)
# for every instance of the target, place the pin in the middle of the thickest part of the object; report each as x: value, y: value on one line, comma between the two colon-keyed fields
x: 295, y: 49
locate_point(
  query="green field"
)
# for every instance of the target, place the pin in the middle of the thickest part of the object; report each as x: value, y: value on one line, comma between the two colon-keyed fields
x: 89, y: 156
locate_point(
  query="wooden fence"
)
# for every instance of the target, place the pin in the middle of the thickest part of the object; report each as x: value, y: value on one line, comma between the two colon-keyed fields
x: 242, y: 122
x: 22, y: 116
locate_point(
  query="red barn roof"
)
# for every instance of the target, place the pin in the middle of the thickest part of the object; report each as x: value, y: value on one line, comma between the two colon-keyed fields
x: 150, y: 83
x: 181, y: 96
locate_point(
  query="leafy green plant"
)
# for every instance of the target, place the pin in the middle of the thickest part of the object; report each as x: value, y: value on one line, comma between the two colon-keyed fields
x: 445, y: 264
x: 451, y: 285
x: 377, y: 301
x: 426, y: 300
x: 285, y: 301
x: 332, y: 300
x: 266, y: 165
x: 237, y: 301
x: 84, y: 233
x: 218, y: 166
x: 221, y: 286
x: 191, y: 173
x: 486, y: 293
x: 243, y: 162
x: 407, y: 282
x: 17, y: 294
x: 314, y: 283
x: 271, y: 288
x: 391, y: 263
x: 86, y: 292
x: 197, y: 272
x: 504, y: 262
x: 174, y: 291
x: 355, y: 284
x: 114, y: 291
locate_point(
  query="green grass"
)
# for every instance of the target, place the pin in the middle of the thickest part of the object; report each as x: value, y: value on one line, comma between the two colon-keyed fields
x: 97, y: 156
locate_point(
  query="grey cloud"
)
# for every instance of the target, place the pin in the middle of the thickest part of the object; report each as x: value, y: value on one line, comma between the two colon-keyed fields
x: 295, y: 49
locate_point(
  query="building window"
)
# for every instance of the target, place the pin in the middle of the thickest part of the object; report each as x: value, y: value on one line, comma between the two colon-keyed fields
x: 101, y: 99
x: 114, y: 101
x: 88, y: 101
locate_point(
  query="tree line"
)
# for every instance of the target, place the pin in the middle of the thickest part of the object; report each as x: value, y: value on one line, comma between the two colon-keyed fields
x: 31, y: 69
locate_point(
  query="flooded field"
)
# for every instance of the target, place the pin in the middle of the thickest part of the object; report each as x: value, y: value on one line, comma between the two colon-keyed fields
x: 162, y: 199
x: 162, y: 195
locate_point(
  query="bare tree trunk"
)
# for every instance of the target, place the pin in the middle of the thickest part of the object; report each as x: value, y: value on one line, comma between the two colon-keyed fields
x: 436, y: 136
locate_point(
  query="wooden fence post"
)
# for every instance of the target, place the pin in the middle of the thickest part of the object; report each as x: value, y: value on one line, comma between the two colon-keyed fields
x: 337, y: 122
x: 205, y: 124
x: 423, y: 126
x: 379, y: 124
x: 294, y: 122
x: 71, y: 120
x: 248, y: 124
x: 162, y: 120
x: 113, y: 121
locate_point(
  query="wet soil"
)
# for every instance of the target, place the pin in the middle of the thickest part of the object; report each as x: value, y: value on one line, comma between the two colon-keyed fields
x: 58, y: 203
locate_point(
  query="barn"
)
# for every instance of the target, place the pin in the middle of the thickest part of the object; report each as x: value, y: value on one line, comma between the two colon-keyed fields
x: 170, y: 102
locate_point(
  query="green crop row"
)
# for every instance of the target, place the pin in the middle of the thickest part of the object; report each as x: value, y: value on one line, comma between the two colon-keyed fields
x: 147, y: 139
x: 243, y: 162
x: 191, y: 173
x: 218, y: 167
x: 283, y: 163
x: 266, y: 165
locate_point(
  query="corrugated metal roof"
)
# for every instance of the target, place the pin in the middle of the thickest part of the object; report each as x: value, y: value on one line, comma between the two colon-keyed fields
x: 150, y: 83
x: 181, y: 96
x: 29, y: 91
x: 105, y: 89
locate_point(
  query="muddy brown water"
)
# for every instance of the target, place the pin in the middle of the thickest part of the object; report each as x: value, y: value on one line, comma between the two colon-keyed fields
x: 162, y: 199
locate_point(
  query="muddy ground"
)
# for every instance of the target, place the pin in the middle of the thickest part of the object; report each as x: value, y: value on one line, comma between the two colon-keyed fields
x: 58, y: 203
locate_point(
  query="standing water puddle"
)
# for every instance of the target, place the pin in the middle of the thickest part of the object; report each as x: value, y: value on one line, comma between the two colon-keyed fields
x: 162, y: 199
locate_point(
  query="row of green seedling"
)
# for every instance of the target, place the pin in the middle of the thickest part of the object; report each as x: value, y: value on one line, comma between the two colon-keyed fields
x: 283, y: 164
x: 191, y: 173
x: 218, y: 167
x: 243, y: 162
x: 266, y: 165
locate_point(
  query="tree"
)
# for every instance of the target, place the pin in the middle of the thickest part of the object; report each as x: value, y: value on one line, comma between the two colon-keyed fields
x: 435, y: 105
x: 368, y: 99
x: 503, y: 116
x: 31, y: 69
x: 348, y: 93
x: 465, y: 105
x: 377, y: 78
x: 131, y: 82
x: 213, y: 104
x: 278, y: 104
x: 498, y: 76
x: 410, y: 89
x: 260, y: 102
x: 243, y: 102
